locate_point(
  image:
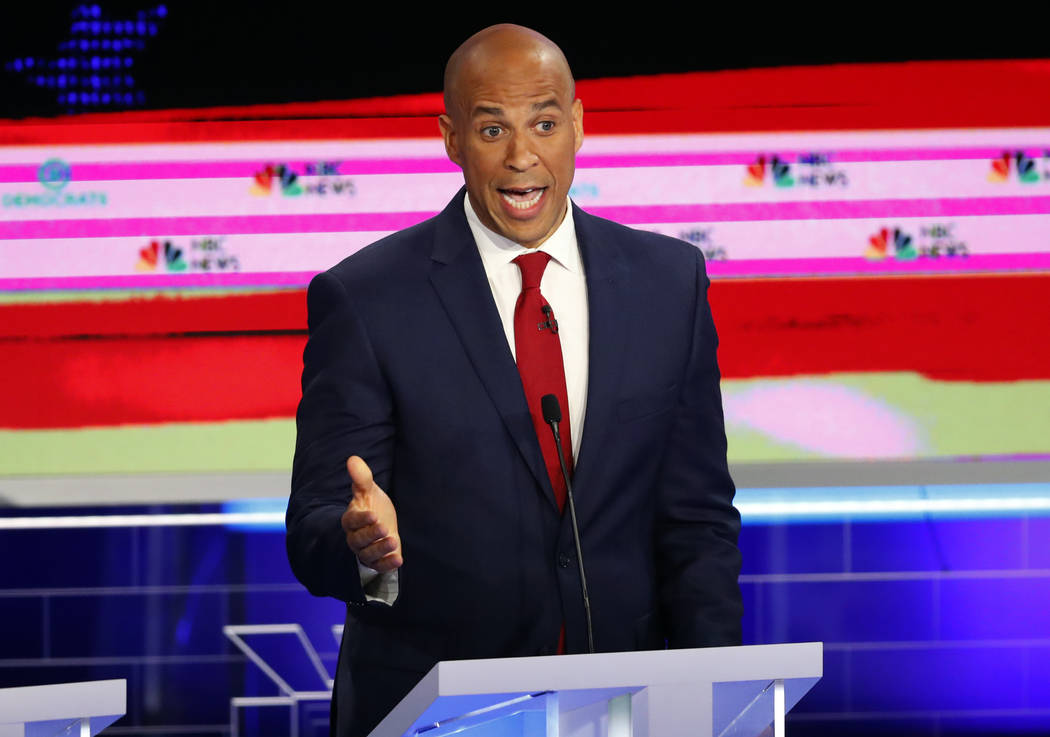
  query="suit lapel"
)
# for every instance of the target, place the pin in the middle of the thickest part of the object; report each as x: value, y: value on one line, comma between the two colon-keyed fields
x: 607, y: 296
x: 459, y: 278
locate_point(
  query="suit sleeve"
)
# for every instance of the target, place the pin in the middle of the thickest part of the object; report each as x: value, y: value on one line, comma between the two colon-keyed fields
x: 346, y: 409
x: 697, y: 524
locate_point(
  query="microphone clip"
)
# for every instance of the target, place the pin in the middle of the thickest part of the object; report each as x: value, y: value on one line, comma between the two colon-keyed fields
x: 550, y: 323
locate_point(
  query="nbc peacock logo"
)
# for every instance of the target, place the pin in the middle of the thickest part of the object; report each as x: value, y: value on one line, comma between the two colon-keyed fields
x: 1022, y: 165
x: 779, y: 170
x: 280, y: 175
x: 150, y: 258
x: 879, y: 245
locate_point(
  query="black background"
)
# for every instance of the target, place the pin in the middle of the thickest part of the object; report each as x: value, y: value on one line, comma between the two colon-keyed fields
x: 231, y: 53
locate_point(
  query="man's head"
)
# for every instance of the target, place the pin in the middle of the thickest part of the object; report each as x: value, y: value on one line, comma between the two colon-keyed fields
x: 513, y: 125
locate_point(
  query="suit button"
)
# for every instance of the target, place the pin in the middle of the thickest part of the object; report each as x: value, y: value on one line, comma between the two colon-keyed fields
x: 564, y: 560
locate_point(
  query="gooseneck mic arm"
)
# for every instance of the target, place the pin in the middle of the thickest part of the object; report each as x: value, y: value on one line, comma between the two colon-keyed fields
x: 552, y: 416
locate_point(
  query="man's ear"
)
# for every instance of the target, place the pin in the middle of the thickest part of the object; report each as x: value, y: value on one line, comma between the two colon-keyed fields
x: 577, y: 122
x: 448, y: 132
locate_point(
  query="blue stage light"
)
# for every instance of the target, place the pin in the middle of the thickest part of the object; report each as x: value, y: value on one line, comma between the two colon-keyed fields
x: 876, y: 503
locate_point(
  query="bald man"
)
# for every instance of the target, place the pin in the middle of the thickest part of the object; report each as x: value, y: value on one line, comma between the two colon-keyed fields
x: 424, y: 490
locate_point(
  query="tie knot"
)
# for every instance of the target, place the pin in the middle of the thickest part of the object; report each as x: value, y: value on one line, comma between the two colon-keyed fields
x: 532, y: 266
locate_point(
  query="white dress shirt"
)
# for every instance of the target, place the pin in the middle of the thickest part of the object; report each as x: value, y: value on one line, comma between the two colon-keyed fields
x: 564, y: 286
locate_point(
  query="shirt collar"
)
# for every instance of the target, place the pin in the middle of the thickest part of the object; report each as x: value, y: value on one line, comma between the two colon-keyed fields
x: 496, y: 250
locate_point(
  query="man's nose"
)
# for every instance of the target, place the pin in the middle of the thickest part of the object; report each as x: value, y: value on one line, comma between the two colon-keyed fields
x: 520, y: 155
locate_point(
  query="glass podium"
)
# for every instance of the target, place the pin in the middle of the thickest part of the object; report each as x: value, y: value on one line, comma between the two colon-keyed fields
x: 63, y: 709
x: 723, y: 692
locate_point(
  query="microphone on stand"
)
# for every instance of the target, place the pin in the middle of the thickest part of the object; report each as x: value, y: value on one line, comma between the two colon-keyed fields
x: 552, y: 416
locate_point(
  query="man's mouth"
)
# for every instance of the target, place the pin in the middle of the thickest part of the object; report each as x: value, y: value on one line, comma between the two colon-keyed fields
x: 522, y: 198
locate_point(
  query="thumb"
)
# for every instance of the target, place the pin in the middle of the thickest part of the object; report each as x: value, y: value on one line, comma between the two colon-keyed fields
x: 360, y: 476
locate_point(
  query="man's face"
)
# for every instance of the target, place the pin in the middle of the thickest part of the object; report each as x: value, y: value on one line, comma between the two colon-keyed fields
x: 515, y: 132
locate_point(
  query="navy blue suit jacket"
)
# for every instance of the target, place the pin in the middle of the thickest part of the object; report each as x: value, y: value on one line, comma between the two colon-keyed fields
x: 407, y: 365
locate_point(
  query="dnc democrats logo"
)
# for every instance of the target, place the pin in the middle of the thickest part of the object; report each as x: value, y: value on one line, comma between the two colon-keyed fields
x: 1022, y: 166
x: 54, y: 176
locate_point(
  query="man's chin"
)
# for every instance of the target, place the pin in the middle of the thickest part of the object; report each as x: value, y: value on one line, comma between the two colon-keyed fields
x: 529, y: 232
x: 530, y: 236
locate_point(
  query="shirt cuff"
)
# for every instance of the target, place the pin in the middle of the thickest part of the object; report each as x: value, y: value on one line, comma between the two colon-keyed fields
x: 381, y: 587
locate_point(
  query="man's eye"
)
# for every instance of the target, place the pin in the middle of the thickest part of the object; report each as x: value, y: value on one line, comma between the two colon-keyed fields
x: 547, y: 126
x: 491, y: 131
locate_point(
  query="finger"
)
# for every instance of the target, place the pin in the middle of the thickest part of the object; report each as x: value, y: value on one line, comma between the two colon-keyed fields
x: 378, y: 550
x: 388, y: 563
x: 360, y: 539
x: 355, y: 519
x: 360, y: 475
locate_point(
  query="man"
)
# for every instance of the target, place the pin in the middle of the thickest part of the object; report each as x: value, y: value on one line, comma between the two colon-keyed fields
x: 425, y: 490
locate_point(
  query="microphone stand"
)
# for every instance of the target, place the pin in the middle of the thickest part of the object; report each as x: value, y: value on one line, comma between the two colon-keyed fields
x: 552, y: 415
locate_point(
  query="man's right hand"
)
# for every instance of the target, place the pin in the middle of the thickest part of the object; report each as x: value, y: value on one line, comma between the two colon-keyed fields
x: 370, y: 522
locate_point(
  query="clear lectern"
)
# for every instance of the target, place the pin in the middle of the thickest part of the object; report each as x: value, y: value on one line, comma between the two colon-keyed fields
x: 721, y: 691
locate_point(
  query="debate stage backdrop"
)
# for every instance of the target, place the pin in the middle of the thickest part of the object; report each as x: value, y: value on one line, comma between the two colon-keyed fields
x: 878, y: 239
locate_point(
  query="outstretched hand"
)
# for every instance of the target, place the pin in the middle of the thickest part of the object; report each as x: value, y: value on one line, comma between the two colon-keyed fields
x: 370, y: 522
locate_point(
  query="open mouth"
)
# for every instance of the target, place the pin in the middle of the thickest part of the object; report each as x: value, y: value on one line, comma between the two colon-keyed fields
x: 522, y: 198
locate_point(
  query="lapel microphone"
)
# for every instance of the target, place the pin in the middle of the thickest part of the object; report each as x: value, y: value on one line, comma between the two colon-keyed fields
x: 552, y: 416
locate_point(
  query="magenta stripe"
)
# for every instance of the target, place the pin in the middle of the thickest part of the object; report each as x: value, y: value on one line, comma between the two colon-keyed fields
x: 717, y: 269
x: 115, y: 171
x: 862, y: 266
x: 159, y: 281
x: 721, y: 158
x: 629, y: 214
x: 832, y: 210
x: 216, y: 225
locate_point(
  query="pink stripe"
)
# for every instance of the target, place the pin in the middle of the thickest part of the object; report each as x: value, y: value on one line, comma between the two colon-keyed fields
x: 219, y: 225
x: 817, y: 210
x: 101, y: 171
x: 630, y: 214
x: 148, y: 281
x: 861, y: 266
x: 722, y: 158
x: 716, y: 269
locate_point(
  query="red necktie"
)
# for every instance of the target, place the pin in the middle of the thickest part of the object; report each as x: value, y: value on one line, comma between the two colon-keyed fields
x: 538, y: 350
